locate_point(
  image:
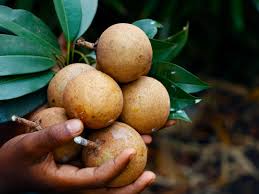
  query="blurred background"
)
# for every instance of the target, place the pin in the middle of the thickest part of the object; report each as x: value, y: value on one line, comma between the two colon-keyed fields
x: 218, y: 153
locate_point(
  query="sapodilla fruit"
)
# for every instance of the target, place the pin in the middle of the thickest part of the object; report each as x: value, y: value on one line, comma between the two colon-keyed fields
x: 53, y: 116
x: 113, y: 140
x: 60, y: 80
x: 146, y: 105
x: 95, y: 98
x: 124, y: 52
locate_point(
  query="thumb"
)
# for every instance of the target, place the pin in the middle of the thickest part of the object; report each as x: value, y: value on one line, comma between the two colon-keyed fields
x: 44, y: 141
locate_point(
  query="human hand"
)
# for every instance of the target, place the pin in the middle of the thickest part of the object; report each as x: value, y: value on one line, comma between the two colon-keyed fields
x: 26, y: 163
x: 170, y: 123
x: 145, y: 180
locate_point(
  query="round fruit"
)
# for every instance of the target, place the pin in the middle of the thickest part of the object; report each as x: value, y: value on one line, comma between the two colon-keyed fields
x: 124, y: 52
x: 114, y: 139
x: 53, y: 116
x: 60, y: 80
x: 95, y: 98
x: 146, y: 105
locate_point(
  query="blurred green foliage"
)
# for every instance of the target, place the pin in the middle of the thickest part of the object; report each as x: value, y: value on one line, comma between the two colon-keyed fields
x: 223, y: 39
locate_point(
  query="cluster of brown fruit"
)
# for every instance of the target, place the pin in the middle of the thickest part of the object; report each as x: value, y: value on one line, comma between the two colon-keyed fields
x: 117, y: 89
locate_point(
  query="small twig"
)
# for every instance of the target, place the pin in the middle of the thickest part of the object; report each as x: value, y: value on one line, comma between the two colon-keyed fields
x: 84, y: 43
x: 26, y: 122
x: 33, y: 125
x: 85, y: 142
x: 243, y: 161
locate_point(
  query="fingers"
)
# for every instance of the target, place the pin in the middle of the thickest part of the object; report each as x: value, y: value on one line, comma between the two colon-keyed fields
x: 170, y: 123
x: 147, y: 139
x: 46, y: 140
x: 96, y: 176
x: 145, y: 180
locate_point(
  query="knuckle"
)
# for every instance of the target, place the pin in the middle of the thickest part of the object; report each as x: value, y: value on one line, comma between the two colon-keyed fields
x: 104, y: 174
x: 27, y: 144
x: 53, y: 134
x: 99, y: 179
x: 113, y: 166
x: 112, y: 171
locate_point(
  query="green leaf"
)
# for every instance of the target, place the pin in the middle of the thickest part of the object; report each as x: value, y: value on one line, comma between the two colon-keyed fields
x: 237, y: 13
x: 15, y: 45
x: 162, y: 50
x: 4, y: 31
x: 149, y: 8
x: 25, y: 24
x: 89, y: 8
x: 179, y: 76
x: 180, y: 115
x: 91, y: 55
x: 256, y: 3
x: 23, y: 64
x: 21, y: 4
x: 16, y: 86
x: 22, y: 106
x: 179, y: 99
x: 117, y: 5
x: 168, y: 49
x: 70, y: 15
x: 3, y: 1
x: 149, y: 26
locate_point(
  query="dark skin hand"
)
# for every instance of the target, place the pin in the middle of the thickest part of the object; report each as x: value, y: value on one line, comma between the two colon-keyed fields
x: 145, y: 180
x: 26, y: 162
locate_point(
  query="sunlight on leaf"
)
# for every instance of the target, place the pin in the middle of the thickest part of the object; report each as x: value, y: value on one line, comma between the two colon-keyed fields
x: 179, y: 76
x: 89, y: 8
x: 70, y: 16
x: 149, y: 26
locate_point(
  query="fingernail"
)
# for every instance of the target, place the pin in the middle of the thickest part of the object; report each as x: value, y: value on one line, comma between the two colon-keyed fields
x: 74, y: 126
x: 132, y: 156
x: 132, y: 153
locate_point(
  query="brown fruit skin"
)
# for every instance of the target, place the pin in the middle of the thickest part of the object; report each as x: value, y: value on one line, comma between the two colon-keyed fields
x: 60, y: 80
x: 114, y: 139
x: 146, y: 105
x: 95, y: 98
x: 124, y: 52
x: 53, y: 116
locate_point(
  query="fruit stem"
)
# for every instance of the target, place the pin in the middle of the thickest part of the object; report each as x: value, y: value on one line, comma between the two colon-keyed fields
x: 73, y: 52
x: 33, y: 125
x: 85, y: 142
x: 84, y: 43
x: 68, y: 52
x: 26, y: 122
x: 82, y: 57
